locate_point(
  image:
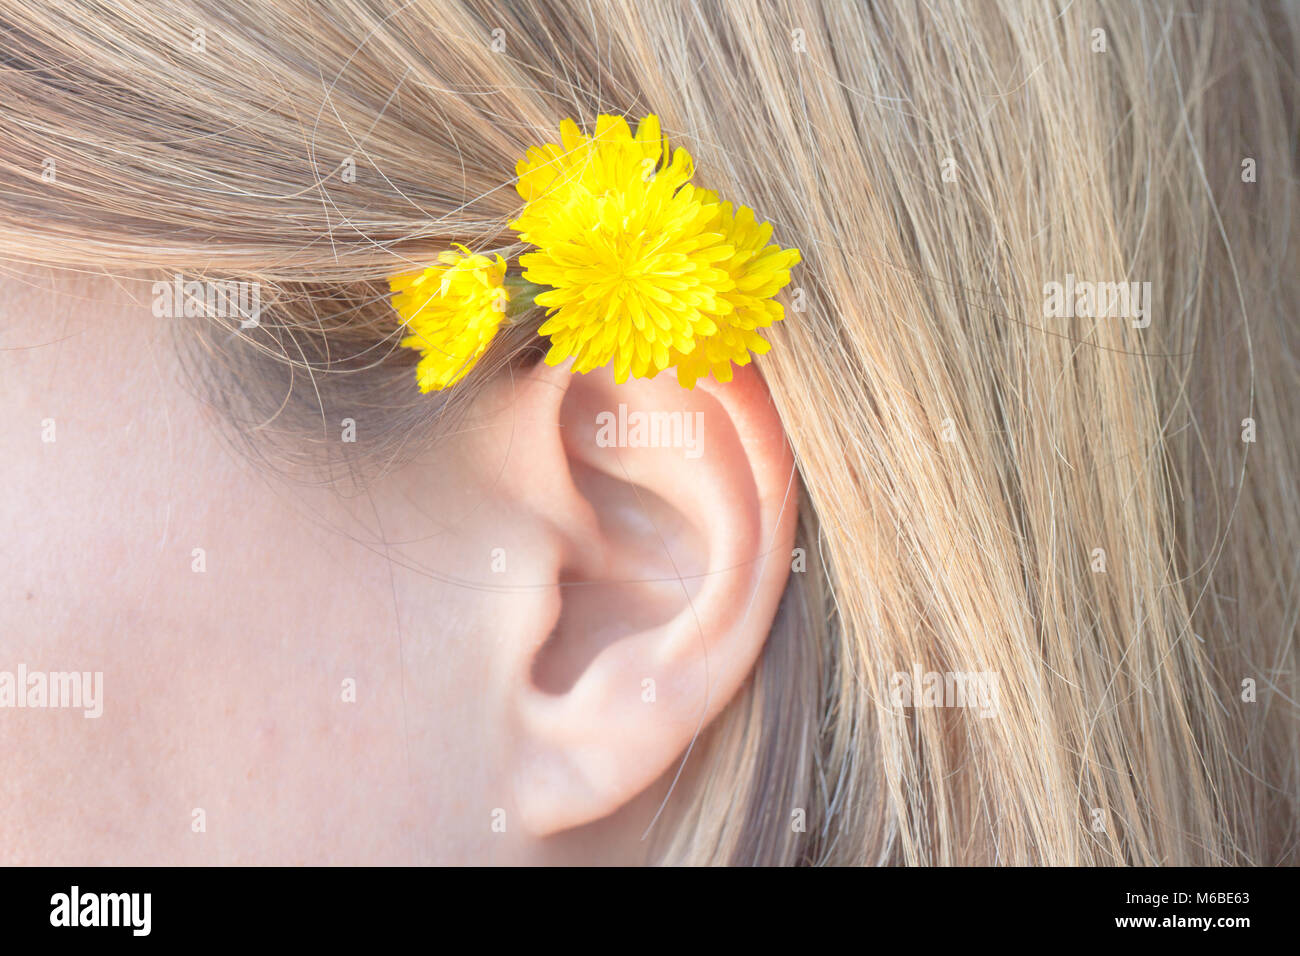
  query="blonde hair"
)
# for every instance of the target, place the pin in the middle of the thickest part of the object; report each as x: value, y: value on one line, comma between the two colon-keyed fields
x: 1067, y: 503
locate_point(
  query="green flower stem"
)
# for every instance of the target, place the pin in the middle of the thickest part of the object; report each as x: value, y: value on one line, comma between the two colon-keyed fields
x: 522, y: 293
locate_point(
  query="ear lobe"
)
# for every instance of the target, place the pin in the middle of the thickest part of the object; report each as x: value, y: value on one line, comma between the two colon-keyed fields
x: 686, y: 505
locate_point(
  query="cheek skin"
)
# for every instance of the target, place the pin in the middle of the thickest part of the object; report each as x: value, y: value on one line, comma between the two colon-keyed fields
x: 222, y: 689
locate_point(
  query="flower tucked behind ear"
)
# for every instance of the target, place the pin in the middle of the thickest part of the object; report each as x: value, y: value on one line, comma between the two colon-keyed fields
x: 451, y: 312
x: 644, y: 269
x: 634, y: 265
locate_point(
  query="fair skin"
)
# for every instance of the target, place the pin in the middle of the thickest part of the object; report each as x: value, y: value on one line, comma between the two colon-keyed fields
x: 223, y: 690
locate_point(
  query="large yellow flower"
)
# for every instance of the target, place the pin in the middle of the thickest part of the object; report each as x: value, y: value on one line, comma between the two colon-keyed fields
x: 643, y: 269
x: 611, y: 154
x: 451, y: 312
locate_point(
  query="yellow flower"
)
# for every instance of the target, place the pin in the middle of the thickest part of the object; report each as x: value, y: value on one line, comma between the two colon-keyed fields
x: 613, y: 154
x: 451, y: 312
x: 644, y: 269
x: 758, y: 271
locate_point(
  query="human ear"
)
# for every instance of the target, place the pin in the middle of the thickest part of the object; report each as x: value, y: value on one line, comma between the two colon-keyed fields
x: 663, y: 525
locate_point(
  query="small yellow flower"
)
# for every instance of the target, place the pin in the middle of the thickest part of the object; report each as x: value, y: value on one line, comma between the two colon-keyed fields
x: 643, y: 268
x: 451, y: 312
